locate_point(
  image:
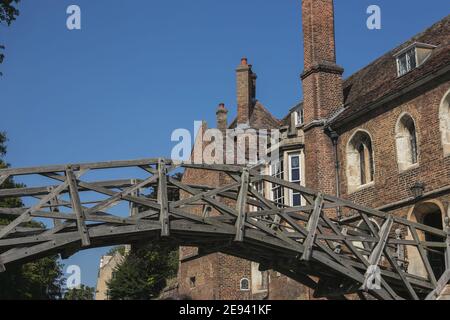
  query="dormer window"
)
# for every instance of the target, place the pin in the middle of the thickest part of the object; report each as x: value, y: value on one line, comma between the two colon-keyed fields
x: 406, y: 62
x: 413, y: 56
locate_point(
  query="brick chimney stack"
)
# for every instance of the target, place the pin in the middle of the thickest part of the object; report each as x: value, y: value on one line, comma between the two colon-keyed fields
x: 222, y: 117
x: 322, y: 92
x: 246, y: 91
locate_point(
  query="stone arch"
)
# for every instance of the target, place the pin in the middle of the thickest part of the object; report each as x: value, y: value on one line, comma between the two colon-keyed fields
x: 444, y: 121
x: 406, y: 142
x: 431, y: 213
x: 360, y: 160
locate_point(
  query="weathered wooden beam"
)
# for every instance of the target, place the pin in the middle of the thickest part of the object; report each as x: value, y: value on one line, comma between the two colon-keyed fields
x: 82, y: 166
x: 241, y: 206
x: 54, y: 207
x: 105, y: 191
x: 350, y: 205
x: 401, y: 273
x: 114, y: 200
x: 42, y: 191
x: 424, y: 256
x: 163, y: 201
x: 440, y: 286
x: 76, y: 205
x: 3, y: 178
x: 312, y: 228
x: 377, y: 253
x: 26, y: 215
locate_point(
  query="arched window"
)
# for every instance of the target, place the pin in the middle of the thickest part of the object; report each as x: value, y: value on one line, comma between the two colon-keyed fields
x: 406, y: 141
x: 444, y: 117
x: 360, y: 163
x: 245, y: 284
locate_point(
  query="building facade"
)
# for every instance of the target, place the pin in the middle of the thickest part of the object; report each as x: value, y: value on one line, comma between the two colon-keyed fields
x: 380, y: 138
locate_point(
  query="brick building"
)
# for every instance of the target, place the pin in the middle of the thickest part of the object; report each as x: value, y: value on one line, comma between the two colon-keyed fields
x: 380, y: 138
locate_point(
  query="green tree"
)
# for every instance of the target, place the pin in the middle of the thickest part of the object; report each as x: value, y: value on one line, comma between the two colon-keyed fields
x: 8, y: 13
x: 144, y: 272
x: 83, y: 293
x: 42, y: 279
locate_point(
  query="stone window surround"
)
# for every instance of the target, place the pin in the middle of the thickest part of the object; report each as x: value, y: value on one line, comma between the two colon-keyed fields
x: 357, y: 186
x: 406, y: 166
x: 444, y: 123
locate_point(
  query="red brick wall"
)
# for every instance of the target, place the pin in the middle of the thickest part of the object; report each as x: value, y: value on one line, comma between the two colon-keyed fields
x: 318, y: 31
x: 391, y: 185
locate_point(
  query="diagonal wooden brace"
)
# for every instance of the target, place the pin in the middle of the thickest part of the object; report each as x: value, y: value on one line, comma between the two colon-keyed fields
x: 311, y: 228
x: 3, y: 179
x: 25, y: 216
x: 77, y: 208
x: 377, y: 253
x: 241, y: 206
x: 162, y: 199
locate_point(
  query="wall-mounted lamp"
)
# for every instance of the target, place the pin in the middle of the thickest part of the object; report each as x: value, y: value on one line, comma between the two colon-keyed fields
x: 418, y: 190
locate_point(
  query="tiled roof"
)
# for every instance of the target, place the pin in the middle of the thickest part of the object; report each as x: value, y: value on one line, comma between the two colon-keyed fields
x: 379, y: 79
x: 261, y: 118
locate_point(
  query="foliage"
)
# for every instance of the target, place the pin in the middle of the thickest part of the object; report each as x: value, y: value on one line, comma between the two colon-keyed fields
x: 38, y: 280
x: 144, y: 272
x: 121, y: 250
x: 8, y: 13
x: 82, y: 293
x: 2, y: 144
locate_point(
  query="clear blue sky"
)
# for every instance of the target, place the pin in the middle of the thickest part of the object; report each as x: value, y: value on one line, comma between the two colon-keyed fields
x: 140, y: 69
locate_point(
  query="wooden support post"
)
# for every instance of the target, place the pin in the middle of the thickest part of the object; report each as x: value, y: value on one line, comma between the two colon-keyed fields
x: 423, y: 256
x: 400, y: 254
x: 2, y: 266
x: 162, y: 199
x: 377, y: 253
x: 312, y: 228
x: 54, y: 207
x: 134, y: 209
x: 241, y: 206
x: 76, y: 206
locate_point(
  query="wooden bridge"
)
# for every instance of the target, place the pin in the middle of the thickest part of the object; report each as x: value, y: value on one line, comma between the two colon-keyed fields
x: 331, y: 245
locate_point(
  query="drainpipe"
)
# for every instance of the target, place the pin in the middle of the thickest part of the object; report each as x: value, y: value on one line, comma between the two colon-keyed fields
x: 334, y: 136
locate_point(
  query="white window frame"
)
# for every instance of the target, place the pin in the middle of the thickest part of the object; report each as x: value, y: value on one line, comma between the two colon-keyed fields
x: 277, y: 175
x: 291, y: 193
x: 409, y: 68
x: 299, y: 117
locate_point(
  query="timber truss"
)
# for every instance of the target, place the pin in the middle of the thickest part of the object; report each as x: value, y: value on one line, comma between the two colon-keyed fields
x: 365, y: 253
